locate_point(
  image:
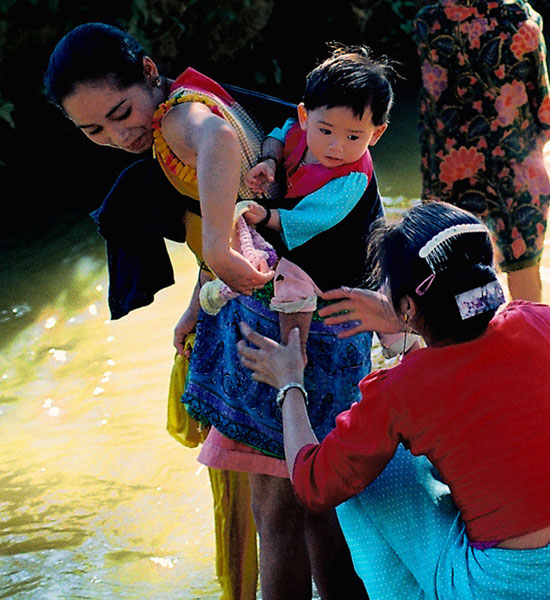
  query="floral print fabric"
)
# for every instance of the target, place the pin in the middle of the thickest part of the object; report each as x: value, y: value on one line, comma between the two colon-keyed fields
x: 485, y: 118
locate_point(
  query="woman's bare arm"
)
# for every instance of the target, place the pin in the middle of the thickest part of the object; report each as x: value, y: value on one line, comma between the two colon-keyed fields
x: 203, y: 140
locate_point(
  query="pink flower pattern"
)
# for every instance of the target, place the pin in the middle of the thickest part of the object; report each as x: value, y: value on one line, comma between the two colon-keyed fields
x: 474, y: 30
x: 434, y: 79
x: 463, y: 163
x: 526, y: 39
x: 512, y: 96
x: 485, y: 116
x: 544, y: 111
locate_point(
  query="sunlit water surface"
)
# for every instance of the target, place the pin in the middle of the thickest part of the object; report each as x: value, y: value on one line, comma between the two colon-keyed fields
x: 97, y: 500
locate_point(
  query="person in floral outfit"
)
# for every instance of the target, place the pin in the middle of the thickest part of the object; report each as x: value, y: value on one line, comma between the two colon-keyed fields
x: 484, y: 121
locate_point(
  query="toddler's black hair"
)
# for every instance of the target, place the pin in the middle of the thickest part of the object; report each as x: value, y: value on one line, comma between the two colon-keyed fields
x: 352, y: 78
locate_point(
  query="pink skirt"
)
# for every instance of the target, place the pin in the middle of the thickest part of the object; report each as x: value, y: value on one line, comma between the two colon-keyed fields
x: 219, y: 452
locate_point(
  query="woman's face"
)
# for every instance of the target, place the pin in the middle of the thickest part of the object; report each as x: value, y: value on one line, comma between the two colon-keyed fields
x: 109, y: 116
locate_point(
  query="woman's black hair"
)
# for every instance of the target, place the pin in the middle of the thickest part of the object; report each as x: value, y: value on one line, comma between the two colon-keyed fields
x: 93, y: 52
x: 467, y: 263
x: 350, y: 77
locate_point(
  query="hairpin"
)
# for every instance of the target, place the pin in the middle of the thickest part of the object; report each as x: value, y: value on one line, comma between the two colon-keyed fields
x: 480, y: 299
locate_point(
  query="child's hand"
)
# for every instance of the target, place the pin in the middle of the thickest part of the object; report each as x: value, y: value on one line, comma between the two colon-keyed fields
x: 255, y: 214
x: 259, y: 177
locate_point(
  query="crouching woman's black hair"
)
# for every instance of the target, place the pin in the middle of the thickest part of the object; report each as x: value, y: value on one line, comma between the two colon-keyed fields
x: 456, y: 257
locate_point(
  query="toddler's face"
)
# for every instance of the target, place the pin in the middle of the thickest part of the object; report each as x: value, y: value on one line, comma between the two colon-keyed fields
x: 335, y: 136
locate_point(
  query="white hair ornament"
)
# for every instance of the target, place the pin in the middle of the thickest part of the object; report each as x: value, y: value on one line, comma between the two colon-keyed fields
x: 435, y: 250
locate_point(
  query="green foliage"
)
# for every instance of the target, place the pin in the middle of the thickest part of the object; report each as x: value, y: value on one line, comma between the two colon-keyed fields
x: 188, y: 32
x: 6, y: 111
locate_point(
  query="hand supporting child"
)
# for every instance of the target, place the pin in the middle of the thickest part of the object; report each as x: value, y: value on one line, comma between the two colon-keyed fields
x: 371, y: 311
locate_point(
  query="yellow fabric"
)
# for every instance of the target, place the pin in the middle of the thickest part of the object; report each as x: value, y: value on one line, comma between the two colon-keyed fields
x: 236, y: 546
x: 183, y: 178
x: 236, y: 551
x: 179, y: 424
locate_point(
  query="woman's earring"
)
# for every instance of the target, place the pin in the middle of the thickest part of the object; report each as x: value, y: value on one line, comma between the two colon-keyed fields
x: 406, y: 319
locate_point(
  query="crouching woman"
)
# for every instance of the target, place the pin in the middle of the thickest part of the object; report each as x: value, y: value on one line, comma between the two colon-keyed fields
x: 441, y: 473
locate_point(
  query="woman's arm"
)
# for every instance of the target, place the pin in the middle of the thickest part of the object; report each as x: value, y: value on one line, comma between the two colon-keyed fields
x: 353, y: 453
x: 188, y: 320
x: 371, y: 310
x: 279, y: 365
x: 296, y: 426
x: 205, y: 141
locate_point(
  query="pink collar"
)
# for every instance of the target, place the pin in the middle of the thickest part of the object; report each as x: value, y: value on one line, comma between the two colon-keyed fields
x: 304, y: 179
x: 191, y: 79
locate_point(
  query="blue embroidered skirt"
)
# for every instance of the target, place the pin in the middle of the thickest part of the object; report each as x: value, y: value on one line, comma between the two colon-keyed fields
x: 221, y: 392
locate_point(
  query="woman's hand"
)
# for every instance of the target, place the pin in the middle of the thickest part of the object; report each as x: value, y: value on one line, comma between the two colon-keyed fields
x: 188, y: 321
x: 371, y: 309
x: 278, y: 365
x: 270, y: 362
x: 210, y: 144
x: 185, y: 326
x: 236, y: 272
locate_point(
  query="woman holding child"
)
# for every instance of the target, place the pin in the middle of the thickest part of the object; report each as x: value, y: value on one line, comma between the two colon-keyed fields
x: 441, y: 472
x: 325, y: 221
x: 103, y: 81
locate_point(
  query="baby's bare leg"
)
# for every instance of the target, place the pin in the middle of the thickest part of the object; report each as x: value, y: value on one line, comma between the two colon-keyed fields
x: 302, y: 320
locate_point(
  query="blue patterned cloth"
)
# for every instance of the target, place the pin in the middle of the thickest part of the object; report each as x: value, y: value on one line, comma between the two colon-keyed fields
x: 407, y: 541
x: 221, y: 392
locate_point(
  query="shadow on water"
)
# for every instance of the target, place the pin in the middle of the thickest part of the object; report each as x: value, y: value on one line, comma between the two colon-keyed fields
x: 44, y: 264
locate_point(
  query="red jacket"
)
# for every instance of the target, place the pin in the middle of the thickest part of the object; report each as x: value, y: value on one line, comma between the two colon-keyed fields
x: 480, y: 411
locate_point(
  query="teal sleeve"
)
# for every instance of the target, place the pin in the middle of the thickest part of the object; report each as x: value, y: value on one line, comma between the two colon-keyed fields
x: 279, y: 133
x: 321, y: 210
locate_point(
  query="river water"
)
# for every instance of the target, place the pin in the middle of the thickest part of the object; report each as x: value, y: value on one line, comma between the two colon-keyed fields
x: 97, y: 500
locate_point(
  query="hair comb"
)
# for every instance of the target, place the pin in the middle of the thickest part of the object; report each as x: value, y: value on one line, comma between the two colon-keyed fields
x: 435, y: 250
